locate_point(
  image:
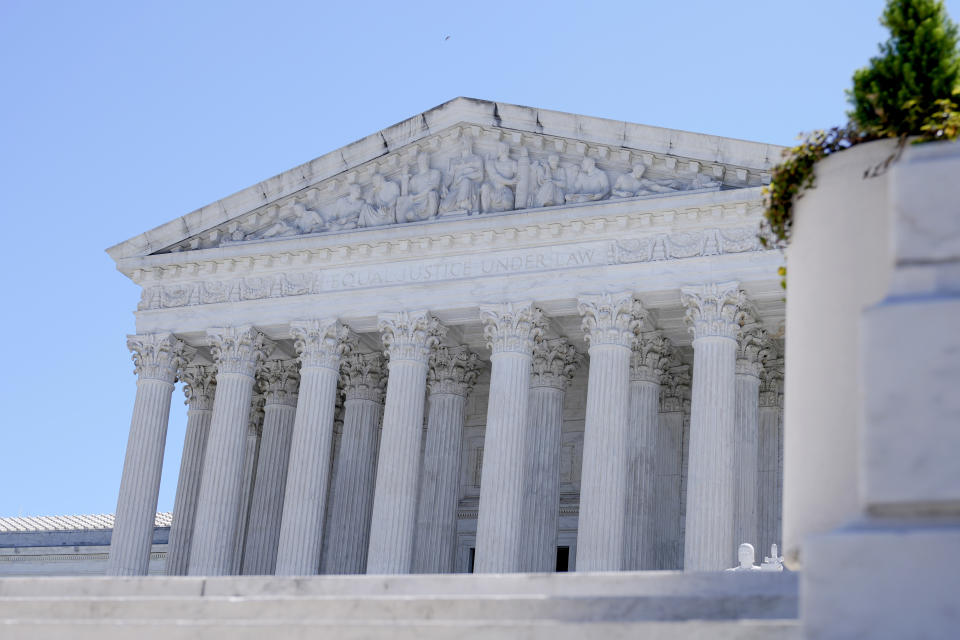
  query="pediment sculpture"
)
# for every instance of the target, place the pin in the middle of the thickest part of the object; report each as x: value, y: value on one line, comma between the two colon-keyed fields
x: 475, y: 175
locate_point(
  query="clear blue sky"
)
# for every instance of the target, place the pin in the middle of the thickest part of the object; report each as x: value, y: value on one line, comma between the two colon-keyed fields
x: 118, y: 116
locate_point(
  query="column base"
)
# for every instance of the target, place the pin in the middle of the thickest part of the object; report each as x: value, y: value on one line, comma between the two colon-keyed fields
x: 882, y: 579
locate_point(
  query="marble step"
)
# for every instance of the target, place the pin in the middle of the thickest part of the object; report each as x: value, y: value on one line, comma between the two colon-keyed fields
x: 555, y: 606
x: 180, y: 629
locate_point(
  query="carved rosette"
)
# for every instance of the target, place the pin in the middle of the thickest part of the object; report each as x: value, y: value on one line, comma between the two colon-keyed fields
x: 453, y: 370
x: 650, y: 357
x: 363, y: 376
x: 554, y: 363
x: 410, y: 335
x: 158, y: 356
x: 611, y: 318
x: 752, y: 346
x: 199, y: 386
x: 238, y: 349
x: 712, y: 309
x: 321, y: 343
x: 675, y: 387
x: 771, y: 383
x: 279, y: 380
x: 511, y: 327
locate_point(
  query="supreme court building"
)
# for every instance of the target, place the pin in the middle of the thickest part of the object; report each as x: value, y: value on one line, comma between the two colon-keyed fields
x: 489, y: 338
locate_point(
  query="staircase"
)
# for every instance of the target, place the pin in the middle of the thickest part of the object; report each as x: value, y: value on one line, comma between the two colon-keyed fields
x: 648, y: 605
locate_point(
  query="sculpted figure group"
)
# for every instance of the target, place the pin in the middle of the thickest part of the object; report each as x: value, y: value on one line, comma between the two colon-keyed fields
x: 471, y: 184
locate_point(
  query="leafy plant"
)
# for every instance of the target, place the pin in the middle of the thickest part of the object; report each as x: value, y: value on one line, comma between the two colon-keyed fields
x: 909, y: 90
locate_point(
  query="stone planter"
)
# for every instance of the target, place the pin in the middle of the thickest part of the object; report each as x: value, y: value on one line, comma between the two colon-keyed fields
x: 838, y: 263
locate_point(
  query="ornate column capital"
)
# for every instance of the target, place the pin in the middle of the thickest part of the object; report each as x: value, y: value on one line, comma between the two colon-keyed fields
x: 771, y: 383
x: 158, y: 356
x: 321, y: 343
x: 279, y: 381
x: 453, y: 370
x: 554, y: 363
x: 712, y: 309
x: 650, y: 357
x: 255, y: 423
x: 511, y: 327
x: 363, y: 376
x: 675, y: 387
x: 611, y: 318
x: 410, y: 335
x: 752, y: 346
x: 199, y: 385
x: 238, y: 349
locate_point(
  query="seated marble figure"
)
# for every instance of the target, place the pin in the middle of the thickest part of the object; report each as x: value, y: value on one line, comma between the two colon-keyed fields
x: 420, y: 192
x: 382, y: 203
x: 591, y: 183
x: 549, y: 182
x: 496, y: 193
x: 462, y: 191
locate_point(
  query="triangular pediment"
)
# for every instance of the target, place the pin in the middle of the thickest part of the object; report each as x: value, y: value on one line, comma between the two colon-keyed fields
x: 464, y: 158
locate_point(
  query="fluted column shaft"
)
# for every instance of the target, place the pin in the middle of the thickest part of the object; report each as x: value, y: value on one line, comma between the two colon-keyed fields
x: 266, y: 507
x: 237, y: 352
x: 745, y: 458
x: 320, y: 345
x: 251, y: 454
x: 641, y: 515
x: 351, y: 497
x: 510, y: 330
x: 709, y: 543
x: 157, y: 358
x: 554, y: 363
x: 769, y: 459
x: 611, y: 323
x: 199, y: 385
x: 668, y: 460
x: 436, y: 543
x: 279, y: 382
x: 409, y: 337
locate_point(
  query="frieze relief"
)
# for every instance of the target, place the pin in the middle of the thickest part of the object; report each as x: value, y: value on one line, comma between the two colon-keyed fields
x: 656, y: 247
x: 470, y: 171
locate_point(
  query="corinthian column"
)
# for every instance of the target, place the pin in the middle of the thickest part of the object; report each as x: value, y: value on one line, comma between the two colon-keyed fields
x: 251, y: 452
x: 510, y: 329
x: 199, y: 384
x: 770, y: 455
x: 279, y: 381
x: 363, y: 377
x: 156, y: 358
x: 320, y: 345
x: 711, y: 491
x: 668, y: 463
x: 750, y: 344
x: 237, y: 352
x: 647, y: 363
x: 554, y: 363
x: 408, y: 337
x: 452, y: 374
x: 611, y: 323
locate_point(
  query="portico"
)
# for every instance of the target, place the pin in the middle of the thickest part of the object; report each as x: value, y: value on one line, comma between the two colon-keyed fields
x: 508, y: 347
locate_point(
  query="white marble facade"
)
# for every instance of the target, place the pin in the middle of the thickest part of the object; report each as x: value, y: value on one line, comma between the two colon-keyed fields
x: 476, y: 337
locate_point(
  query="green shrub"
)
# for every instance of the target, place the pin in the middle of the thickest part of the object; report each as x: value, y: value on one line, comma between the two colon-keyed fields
x: 909, y: 90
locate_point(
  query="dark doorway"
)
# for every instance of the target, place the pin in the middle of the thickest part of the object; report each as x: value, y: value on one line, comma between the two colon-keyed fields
x: 563, y: 558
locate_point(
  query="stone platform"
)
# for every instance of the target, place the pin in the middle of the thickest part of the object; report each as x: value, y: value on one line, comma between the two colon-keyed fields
x: 650, y: 605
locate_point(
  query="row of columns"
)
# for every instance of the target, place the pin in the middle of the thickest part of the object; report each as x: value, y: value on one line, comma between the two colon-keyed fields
x: 392, y: 512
